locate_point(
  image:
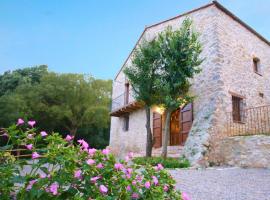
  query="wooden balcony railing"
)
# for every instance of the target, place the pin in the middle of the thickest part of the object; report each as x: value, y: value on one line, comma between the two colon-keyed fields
x: 124, y: 104
x: 253, y: 121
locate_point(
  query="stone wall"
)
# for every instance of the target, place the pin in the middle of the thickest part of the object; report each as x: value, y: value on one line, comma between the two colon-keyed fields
x: 243, y: 151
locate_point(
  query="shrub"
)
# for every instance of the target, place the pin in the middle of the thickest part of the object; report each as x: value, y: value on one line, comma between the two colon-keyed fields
x: 61, y: 170
x: 167, y: 163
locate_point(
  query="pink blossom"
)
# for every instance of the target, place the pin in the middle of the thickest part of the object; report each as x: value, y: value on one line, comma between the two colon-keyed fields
x: 135, y: 196
x: 54, y: 188
x: 139, y: 178
x: 30, y: 136
x: 134, y: 182
x: 78, y: 174
x: 155, y: 180
x: 35, y: 155
x: 147, y: 184
x: 29, y: 146
x: 42, y: 176
x: 105, y: 151
x: 31, y: 123
x: 165, y: 188
x: 92, y: 151
x: 103, y: 189
x: 20, y: 122
x: 69, y: 138
x: 130, y: 155
x: 118, y: 166
x: 128, y: 188
x: 127, y: 158
x: 94, y: 179
x: 129, y: 170
x: 5, y: 134
x: 30, y: 185
x: 90, y: 162
x: 84, y: 144
x: 185, y: 196
x: 100, y: 166
x: 159, y: 167
x: 43, y: 134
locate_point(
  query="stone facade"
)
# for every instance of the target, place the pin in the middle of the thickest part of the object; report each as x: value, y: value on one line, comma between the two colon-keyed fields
x: 244, y: 151
x: 228, y: 49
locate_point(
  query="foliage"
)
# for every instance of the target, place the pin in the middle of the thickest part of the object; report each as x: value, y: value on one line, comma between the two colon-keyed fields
x: 10, y: 80
x: 180, y: 61
x: 144, y: 76
x: 70, y: 103
x: 166, y: 162
x: 61, y: 170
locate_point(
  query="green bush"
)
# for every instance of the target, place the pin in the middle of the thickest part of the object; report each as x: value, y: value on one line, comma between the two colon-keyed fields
x: 62, y: 170
x: 167, y: 163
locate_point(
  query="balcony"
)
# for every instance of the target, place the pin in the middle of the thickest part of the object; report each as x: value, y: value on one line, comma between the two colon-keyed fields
x: 124, y: 104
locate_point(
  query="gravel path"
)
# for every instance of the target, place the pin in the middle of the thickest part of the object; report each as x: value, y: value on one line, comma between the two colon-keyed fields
x: 224, y: 183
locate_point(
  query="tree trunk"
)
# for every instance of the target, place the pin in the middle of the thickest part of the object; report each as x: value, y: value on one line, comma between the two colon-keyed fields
x: 73, y: 131
x: 149, y: 140
x: 166, y: 133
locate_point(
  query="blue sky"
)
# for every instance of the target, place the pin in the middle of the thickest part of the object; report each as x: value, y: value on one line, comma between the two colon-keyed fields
x: 94, y: 36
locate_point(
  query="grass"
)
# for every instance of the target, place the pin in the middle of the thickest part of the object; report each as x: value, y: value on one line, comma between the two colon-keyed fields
x: 167, y: 163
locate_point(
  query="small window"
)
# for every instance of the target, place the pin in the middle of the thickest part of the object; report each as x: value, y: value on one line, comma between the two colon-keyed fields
x: 237, y: 107
x: 126, y: 123
x: 257, y: 65
x: 261, y: 94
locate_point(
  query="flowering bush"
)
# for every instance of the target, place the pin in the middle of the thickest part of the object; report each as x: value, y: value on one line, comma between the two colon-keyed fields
x: 57, y: 169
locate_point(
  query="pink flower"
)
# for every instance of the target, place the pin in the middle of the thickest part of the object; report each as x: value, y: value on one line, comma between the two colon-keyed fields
x: 5, y: 135
x: 94, y: 179
x: 118, y: 166
x: 30, y: 185
x: 90, y: 162
x: 54, y: 188
x: 129, y: 170
x: 100, y: 166
x: 31, y: 123
x: 92, y: 151
x: 35, y: 155
x: 134, y: 182
x: 78, y: 174
x: 135, y: 196
x: 155, y: 180
x: 130, y: 155
x: 147, y: 184
x: 127, y: 158
x: 42, y: 176
x: 159, y: 167
x: 103, y: 189
x: 165, y: 188
x: 30, y: 136
x: 105, y: 151
x: 185, y: 196
x: 128, y: 188
x: 20, y: 122
x: 69, y: 138
x: 84, y: 144
x: 43, y: 134
x: 29, y: 146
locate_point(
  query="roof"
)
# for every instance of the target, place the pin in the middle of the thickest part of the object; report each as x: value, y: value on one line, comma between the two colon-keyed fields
x: 214, y: 3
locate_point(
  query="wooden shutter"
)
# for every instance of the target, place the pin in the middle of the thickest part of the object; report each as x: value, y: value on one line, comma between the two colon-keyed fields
x: 157, y: 129
x: 186, y: 121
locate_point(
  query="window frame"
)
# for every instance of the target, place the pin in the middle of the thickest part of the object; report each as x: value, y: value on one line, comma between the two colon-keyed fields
x: 125, y: 123
x: 239, y: 108
x: 256, y: 66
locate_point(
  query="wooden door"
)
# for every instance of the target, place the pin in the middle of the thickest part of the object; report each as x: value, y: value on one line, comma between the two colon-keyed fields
x: 186, y: 122
x: 175, y: 128
x: 157, y: 129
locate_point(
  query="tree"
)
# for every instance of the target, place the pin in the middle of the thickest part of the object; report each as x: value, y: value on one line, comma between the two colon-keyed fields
x: 10, y: 80
x: 143, y: 74
x: 180, y: 57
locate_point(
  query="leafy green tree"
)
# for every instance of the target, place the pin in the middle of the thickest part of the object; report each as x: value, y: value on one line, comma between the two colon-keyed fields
x: 10, y: 80
x: 180, y: 57
x: 143, y: 75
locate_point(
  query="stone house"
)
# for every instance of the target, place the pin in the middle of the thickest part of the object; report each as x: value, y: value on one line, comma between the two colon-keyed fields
x: 235, y: 79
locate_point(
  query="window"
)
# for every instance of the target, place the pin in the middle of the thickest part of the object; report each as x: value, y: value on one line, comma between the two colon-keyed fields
x: 126, y: 100
x: 257, y: 65
x: 237, y: 107
x: 126, y: 123
x: 261, y: 94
